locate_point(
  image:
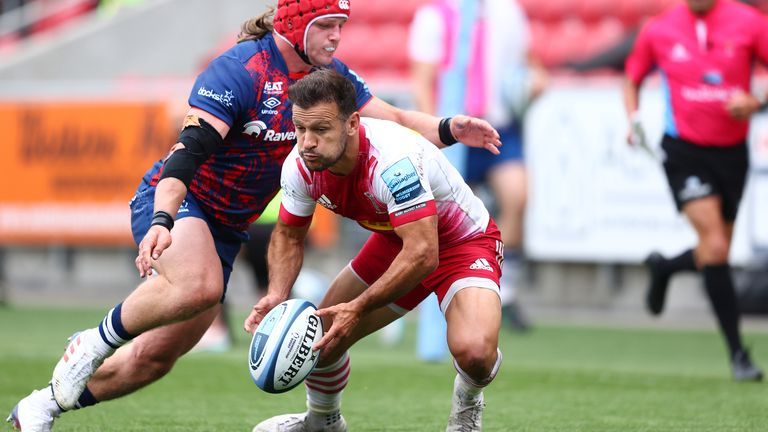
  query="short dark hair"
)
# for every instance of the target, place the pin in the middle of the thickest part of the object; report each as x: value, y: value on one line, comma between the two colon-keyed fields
x: 324, y: 86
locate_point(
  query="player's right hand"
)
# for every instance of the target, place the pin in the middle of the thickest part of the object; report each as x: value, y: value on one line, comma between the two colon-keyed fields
x: 260, y: 310
x: 157, y: 240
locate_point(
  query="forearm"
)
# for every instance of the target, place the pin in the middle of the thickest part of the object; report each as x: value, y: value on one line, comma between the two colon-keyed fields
x: 631, y: 97
x: 169, y: 194
x: 405, y: 272
x: 285, y: 257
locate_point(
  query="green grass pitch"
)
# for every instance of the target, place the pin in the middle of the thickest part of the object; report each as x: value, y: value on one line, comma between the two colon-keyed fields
x: 553, y: 379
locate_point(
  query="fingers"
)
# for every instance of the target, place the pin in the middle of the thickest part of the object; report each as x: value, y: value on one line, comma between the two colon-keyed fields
x: 252, y: 321
x: 328, y: 341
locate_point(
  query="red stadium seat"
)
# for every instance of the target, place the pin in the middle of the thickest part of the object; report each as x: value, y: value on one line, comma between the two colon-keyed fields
x: 602, y: 35
x: 592, y: 11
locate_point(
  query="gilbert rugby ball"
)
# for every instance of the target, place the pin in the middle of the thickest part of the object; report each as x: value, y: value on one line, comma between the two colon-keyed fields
x: 281, y: 355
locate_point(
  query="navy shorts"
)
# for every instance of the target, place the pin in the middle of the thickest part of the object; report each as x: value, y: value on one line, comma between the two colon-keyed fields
x: 227, y: 240
x: 695, y: 172
x: 480, y: 161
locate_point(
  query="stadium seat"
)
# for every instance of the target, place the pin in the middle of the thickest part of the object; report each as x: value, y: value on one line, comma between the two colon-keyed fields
x: 602, y: 35
x: 593, y: 11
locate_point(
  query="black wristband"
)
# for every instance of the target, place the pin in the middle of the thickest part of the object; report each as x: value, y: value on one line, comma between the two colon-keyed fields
x: 163, y: 219
x: 444, y: 131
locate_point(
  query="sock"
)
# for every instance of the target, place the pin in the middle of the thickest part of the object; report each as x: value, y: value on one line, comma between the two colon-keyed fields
x: 468, y: 389
x: 86, y: 399
x: 722, y: 296
x: 324, y: 386
x: 683, y: 262
x: 111, y: 329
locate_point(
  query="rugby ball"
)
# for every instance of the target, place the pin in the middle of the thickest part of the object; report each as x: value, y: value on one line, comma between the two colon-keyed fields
x: 281, y: 355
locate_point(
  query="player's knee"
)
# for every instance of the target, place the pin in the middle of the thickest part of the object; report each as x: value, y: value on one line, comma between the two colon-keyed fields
x: 714, y: 250
x: 202, y: 294
x: 476, y: 359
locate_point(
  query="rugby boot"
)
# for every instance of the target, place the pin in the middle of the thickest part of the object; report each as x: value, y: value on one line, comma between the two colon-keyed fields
x: 304, y: 422
x: 657, y: 287
x: 743, y: 369
x: 35, y: 413
x: 78, y: 364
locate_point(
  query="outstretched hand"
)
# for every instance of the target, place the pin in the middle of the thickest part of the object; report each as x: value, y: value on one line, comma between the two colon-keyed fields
x: 344, y: 318
x: 260, y: 310
x: 475, y: 132
x: 157, y: 240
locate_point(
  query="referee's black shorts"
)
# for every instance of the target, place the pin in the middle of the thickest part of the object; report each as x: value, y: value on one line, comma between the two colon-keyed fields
x: 695, y: 171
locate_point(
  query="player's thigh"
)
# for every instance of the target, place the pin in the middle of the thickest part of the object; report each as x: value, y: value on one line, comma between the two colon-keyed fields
x: 705, y: 216
x: 191, y: 260
x: 474, y: 316
x: 344, y: 288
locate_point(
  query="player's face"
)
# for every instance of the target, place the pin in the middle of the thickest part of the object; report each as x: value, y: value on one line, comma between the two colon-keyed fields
x: 700, y: 6
x: 323, y: 38
x: 321, y: 135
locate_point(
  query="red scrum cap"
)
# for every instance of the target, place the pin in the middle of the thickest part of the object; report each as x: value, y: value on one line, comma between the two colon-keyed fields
x: 294, y: 17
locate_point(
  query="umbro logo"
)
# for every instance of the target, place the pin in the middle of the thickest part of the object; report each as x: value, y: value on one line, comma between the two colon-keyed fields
x: 481, y: 264
x: 325, y: 202
x: 272, y: 102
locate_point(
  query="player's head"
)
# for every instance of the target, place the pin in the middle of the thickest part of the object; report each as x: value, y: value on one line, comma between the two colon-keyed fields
x: 311, y: 27
x: 700, y: 7
x: 325, y: 116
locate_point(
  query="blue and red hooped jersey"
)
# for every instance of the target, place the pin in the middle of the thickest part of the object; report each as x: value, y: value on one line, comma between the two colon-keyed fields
x: 247, y: 88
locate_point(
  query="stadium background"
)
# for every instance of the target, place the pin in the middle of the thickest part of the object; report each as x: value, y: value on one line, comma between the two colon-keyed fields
x: 91, y: 94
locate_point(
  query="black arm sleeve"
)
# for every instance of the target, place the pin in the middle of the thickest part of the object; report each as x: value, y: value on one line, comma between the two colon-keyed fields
x: 200, y: 140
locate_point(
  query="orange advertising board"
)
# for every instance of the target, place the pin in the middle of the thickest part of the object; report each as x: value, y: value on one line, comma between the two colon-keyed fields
x: 69, y: 168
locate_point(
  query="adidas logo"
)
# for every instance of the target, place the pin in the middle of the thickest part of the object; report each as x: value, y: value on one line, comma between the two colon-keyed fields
x: 481, y: 264
x: 325, y: 202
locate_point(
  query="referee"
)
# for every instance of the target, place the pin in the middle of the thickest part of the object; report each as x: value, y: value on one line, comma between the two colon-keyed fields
x: 705, y: 50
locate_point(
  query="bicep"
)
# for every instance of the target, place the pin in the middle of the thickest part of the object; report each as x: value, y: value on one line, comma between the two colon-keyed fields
x: 221, y: 127
x: 420, y: 233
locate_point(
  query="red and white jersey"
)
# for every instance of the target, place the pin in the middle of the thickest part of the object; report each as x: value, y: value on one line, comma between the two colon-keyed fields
x: 400, y: 177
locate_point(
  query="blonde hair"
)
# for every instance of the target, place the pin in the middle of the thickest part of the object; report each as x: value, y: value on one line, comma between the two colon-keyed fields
x: 256, y: 28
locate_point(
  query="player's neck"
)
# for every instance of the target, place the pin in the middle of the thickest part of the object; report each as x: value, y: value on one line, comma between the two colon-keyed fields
x: 292, y: 60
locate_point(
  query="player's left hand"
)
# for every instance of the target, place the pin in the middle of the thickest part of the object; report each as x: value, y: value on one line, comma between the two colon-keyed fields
x: 742, y: 105
x: 475, y: 132
x: 344, y: 318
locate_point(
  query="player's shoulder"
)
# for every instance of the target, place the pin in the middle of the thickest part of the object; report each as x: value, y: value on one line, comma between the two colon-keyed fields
x: 391, y: 139
x: 243, y: 52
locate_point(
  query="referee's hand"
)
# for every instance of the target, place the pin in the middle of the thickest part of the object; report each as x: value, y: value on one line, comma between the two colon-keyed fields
x: 742, y: 105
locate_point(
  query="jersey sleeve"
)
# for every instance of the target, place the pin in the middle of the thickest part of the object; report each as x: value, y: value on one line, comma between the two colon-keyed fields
x: 224, y: 89
x: 404, y: 187
x: 296, y: 206
x: 640, y: 61
x: 362, y: 92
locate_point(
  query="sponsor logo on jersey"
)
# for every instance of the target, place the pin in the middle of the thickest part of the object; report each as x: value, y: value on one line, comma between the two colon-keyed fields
x: 376, y: 225
x: 270, y: 105
x: 679, y: 53
x: 254, y: 128
x: 481, y: 264
x: 273, y: 88
x: 271, y: 135
x: 223, y: 98
x: 694, y: 188
x: 410, y: 209
x: 325, y: 202
x: 403, y: 181
x: 705, y: 93
x: 712, y: 77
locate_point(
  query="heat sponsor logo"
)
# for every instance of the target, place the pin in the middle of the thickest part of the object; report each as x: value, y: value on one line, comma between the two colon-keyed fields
x: 223, y: 98
x: 304, y: 352
x: 273, y: 88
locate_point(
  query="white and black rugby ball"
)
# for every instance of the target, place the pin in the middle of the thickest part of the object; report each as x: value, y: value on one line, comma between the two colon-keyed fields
x: 281, y: 355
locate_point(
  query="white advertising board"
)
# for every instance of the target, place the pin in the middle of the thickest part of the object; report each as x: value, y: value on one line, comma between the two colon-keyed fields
x: 594, y: 198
